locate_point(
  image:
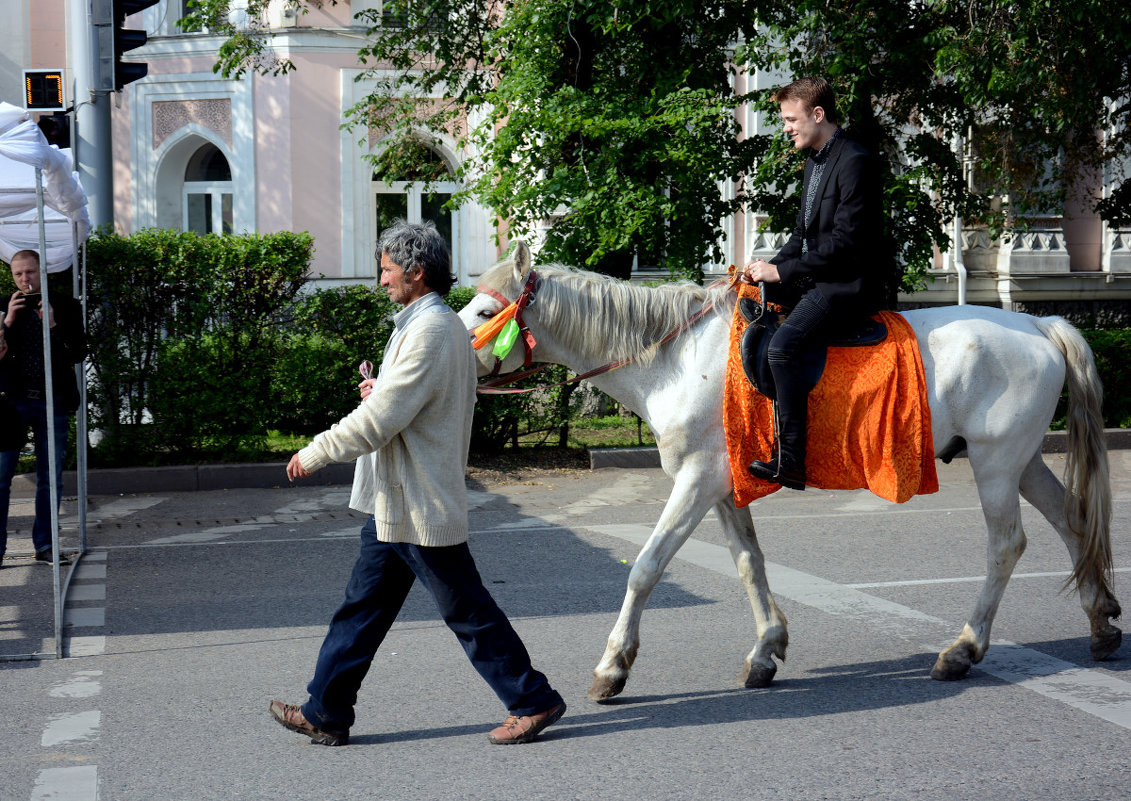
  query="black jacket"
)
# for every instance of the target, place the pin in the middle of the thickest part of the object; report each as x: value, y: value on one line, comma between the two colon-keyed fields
x: 68, y: 348
x: 847, y: 259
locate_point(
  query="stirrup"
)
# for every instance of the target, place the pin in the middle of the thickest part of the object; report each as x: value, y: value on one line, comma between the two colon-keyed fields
x: 772, y: 472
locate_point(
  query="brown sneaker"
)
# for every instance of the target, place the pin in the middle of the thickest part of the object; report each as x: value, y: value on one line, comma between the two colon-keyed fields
x: 292, y: 718
x: 524, y: 728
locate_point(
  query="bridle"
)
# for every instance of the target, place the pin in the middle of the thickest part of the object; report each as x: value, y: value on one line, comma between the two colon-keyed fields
x: 525, y: 298
x: 495, y: 384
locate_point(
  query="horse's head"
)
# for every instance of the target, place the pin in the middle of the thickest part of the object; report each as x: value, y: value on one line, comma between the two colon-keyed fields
x: 499, y: 286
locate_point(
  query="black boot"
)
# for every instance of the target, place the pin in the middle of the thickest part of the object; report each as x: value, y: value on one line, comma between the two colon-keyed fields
x: 786, y: 468
x: 788, y: 465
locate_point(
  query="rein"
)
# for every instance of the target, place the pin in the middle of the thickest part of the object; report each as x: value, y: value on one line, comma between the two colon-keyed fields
x: 496, y: 384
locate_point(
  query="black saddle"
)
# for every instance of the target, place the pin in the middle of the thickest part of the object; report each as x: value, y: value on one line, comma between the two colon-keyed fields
x: 755, y: 343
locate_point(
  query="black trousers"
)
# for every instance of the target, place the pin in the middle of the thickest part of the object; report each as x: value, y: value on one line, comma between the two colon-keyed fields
x: 806, y: 328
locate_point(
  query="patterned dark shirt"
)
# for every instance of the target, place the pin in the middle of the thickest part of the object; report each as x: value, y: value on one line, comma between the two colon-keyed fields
x: 820, y: 158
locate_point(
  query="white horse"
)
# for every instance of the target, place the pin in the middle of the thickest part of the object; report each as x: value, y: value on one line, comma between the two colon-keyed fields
x: 993, y: 380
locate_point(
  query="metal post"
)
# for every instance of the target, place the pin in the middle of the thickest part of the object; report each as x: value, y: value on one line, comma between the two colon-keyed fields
x: 88, y: 27
x: 956, y: 234
x: 78, y: 288
x: 49, y: 386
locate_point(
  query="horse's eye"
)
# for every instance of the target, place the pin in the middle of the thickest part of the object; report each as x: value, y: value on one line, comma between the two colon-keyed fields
x: 486, y: 314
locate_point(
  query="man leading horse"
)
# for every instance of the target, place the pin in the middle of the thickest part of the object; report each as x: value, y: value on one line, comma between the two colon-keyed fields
x: 830, y: 273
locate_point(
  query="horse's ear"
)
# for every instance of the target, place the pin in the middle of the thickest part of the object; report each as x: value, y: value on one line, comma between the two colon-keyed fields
x: 521, y: 260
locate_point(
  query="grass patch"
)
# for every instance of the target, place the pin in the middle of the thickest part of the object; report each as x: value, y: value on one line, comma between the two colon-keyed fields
x: 613, y: 431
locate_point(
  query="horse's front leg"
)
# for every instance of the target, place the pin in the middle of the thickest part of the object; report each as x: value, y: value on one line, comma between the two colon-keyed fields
x: 686, y: 506
x: 772, y: 629
x: 1002, y: 508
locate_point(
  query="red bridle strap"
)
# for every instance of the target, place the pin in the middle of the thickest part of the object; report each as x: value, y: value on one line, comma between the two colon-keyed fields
x: 525, y: 298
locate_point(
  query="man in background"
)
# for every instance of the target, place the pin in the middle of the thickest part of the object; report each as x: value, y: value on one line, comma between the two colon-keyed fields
x: 23, y: 384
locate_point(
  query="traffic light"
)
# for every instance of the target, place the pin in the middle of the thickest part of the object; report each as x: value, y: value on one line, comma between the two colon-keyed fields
x: 56, y: 129
x: 126, y: 39
x: 43, y: 90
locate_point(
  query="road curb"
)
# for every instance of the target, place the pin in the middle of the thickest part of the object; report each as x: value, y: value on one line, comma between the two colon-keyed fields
x: 189, y: 478
x: 194, y: 478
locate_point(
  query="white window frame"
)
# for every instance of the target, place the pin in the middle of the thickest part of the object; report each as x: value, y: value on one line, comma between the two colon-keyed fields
x: 415, y: 191
x: 217, y: 189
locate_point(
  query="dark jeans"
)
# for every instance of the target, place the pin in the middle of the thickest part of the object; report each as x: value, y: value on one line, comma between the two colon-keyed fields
x: 381, y: 579
x: 34, y: 413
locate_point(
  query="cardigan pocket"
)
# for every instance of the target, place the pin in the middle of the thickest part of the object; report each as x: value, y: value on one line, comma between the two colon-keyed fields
x: 390, y: 505
x: 390, y: 491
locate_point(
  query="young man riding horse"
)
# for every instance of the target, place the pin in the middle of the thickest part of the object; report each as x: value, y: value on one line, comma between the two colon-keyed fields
x: 830, y: 271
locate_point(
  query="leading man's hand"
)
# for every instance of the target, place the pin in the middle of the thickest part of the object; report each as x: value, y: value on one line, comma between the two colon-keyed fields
x: 296, y: 470
x: 366, y: 387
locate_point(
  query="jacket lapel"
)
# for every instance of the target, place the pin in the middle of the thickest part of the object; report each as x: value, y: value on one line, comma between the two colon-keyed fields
x: 830, y: 166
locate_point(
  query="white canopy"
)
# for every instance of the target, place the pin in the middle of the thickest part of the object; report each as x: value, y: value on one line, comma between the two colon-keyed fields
x: 23, y: 148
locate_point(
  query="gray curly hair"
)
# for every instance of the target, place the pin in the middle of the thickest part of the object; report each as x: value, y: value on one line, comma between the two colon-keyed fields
x: 419, y: 246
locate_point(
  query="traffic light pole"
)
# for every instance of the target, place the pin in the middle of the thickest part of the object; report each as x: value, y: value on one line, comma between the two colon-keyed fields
x: 89, y: 22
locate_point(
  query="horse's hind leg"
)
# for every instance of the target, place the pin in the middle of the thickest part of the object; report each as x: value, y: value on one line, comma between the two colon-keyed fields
x: 1002, y: 508
x: 686, y: 506
x: 1042, y: 489
x: 772, y: 631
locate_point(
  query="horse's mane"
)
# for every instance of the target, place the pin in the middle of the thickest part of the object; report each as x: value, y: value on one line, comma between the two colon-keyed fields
x: 595, y: 314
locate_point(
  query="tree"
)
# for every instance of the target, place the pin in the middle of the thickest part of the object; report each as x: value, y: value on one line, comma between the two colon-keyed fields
x: 1037, y: 91
x: 1048, y: 86
x: 617, y: 119
x: 614, y: 120
x: 879, y: 55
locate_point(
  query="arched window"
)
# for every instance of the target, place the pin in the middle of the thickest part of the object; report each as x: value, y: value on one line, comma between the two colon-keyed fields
x: 208, y: 192
x: 420, y: 195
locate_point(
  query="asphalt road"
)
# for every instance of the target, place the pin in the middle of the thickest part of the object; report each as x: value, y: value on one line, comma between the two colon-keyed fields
x: 193, y: 610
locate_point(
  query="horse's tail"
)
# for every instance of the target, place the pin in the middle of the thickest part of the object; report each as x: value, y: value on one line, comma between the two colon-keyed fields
x: 1087, y: 503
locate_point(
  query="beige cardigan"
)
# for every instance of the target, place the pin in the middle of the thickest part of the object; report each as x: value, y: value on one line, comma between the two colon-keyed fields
x: 417, y: 421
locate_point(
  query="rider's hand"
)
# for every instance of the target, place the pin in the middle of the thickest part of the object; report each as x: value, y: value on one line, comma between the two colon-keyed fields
x: 366, y: 387
x: 759, y: 271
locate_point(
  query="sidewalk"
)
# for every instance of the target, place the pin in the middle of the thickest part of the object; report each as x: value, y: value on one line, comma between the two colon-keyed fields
x: 192, y: 478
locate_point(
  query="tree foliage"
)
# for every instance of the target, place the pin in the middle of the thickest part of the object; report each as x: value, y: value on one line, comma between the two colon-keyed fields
x: 1047, y: 92
x: 617, y: 120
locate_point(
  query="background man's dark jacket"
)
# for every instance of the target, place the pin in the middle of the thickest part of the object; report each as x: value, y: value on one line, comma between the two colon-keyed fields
x: 68, y: 347
x: 848, y: 259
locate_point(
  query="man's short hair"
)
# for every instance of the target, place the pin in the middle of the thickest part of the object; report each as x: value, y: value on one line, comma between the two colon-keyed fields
x: 25, y: 254
x: 811, y: 92
x: 419, y: 246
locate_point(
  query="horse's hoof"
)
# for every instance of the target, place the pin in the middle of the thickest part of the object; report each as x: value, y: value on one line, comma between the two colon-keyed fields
x: 602, y: 689
x: 759, y: 676
x: 949, y: 668
x: 1106, y: 642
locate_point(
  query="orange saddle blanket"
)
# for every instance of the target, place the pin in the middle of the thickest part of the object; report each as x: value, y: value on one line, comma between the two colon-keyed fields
x: 869, y: 422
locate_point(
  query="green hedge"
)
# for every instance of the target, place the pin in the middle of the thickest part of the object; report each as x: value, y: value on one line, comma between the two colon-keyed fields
x: 331, y: 332
x: 184, y: 337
